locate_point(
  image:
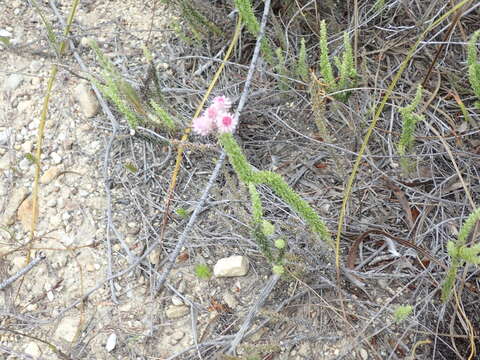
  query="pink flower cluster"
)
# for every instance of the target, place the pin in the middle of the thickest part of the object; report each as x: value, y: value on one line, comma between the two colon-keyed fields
x: 216, y: 118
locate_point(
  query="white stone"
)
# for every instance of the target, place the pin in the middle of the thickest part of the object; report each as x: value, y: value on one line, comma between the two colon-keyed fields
x: 27, y: 146
x: 4, y: 136
x: 50, y: 174
x: 50, y: 296
x: 33, y: 350
x: 111, y: 342
x: 363, y: 354
x: 176, y: 300
x: 236, y: 265
x: 24, y: 164
x: 86, y: 99
x: 5, y: 33
x: 19, y: 194
x: 67, y: 329
x: 5, y: 161
x: 56, y: 159
x: 230, y: 300
x: 176, y: 311
x: 12, y: 82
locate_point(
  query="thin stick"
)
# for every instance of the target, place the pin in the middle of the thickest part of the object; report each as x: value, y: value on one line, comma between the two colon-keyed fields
x: 41, y: 256
x: 216, y: 171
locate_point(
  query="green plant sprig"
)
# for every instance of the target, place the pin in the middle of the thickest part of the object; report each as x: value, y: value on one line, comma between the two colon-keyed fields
x: 474, y: 65
x: 460, y: 253
x: 409, y: 122
x: 247, y: 174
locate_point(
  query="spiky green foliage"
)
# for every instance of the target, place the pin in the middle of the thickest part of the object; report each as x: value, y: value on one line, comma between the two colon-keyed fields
x: 246, y: 11
x: 163, y: 116
x: 409, y: 121
x: 302, y: 64
x: 253, y: 26
x: 402, y: 312
x: 114, y: 86
x: 325, y: 65
x: 460, y: 253
x: 259, y: 234
x: 345, y: 66
x: 52, y: 38
x: 202, y: 271
x: 257, y: 209
x: 474, y: 65
x: 246, y: 174
x: 199, y: 24
x: 379, y: 5
x: 346, y: 69
x: 126, y: 99
x: 281, y: 69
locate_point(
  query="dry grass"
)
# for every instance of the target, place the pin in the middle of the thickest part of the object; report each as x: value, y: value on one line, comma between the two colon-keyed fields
x: 309, y: 309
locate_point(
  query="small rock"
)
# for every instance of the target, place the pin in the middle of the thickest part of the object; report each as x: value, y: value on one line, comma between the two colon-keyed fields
x: 55, y: 221
x: 56, y: 159
x: 24, y: 105
x: 5, y: 33
x: 19, y: 194
x: 230, y: 300
x: 50, y: 174
x: 50, y: 296
x: 4, y: 136
x: 154, y: 256
x: 86, y: 99
x: 33, y: 350
x: 27, y: 146
x: 176, y: 300
x: 232, y: 266
x: 111, y: 342
x: 176, y: 337
x: 176, y: 311
x: 67, y: 144
x: 85, y: 42
x: 363, y: 354
x: 25, y: 213
x: 12, y: 82
x: 35, y: 65
x: 67, y: 329
x: 5, y: 161
x: 24, y: 164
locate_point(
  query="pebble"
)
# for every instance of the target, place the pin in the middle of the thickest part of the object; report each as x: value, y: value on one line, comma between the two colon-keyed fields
x: 12, y: 82
x: 363, y: 354
x: 56, y: 159
x: 111, y: 342
x: 27, y: 146
x: 230, y: 300
x: 231, y: 266
x: 4, y: 136
x: 33, y: 350
x: 25, y: 213
x: 178, y: 335
x: 5, y: 33
x: 86, y: 99
x: 50, y: 174
x: 25, y: 164
x: 176, y: 311
x: 176, y: 300
x: 19, y: 194
x: 5, y: 161
x: 67, y: 329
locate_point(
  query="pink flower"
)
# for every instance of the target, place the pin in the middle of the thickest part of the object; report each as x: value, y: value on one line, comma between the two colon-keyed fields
x: 203, y: 125
x: 213, y: 112
x: 226, y: 123
x: 222, y: 103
